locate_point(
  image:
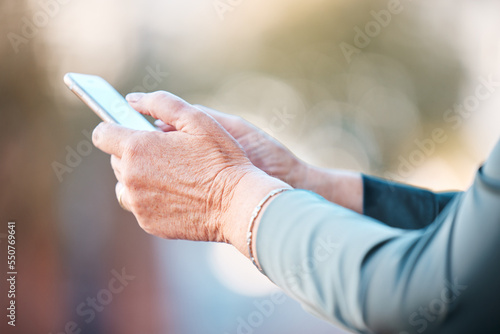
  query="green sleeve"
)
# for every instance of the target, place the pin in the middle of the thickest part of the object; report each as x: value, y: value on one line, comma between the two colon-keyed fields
x: 368, y: 277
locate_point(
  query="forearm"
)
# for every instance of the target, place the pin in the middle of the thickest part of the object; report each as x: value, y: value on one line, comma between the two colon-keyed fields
x: 341, y: 187
x: 395, y: 204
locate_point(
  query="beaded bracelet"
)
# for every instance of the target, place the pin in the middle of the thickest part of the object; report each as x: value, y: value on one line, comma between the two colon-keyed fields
x: 255, y: 213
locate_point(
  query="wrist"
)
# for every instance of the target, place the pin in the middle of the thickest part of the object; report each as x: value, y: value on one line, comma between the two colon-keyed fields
x: 310, y: 177
x: 299, y: 174
x: 254, y: 223
x: 341, y: 187
x: 252, y: 187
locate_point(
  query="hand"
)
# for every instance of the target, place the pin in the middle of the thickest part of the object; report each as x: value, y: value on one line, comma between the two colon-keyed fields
x: 264, y: 151
x: 193, y: 182
x: 341, y: 187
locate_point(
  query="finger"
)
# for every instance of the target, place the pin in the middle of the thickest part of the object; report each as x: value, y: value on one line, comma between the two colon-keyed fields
x: 164, y: 127
x: 235, y: 125
x: 115, y: 164
x: 110, y: 138
x: 223, y: 118
x: 172, y: 110
x: 121, y: 195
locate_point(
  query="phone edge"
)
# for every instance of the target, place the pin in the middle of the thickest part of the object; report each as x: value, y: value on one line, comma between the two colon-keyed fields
x: 87, y: 99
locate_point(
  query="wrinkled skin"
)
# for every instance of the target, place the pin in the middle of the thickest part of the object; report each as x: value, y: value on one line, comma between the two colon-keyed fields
x: 194, y: 181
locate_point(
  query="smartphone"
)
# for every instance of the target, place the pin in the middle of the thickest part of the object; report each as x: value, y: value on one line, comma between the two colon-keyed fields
x: 105, y: 101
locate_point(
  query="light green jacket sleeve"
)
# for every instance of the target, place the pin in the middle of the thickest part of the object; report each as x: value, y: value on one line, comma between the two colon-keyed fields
x: 358, y: 273
x: 304, y: 248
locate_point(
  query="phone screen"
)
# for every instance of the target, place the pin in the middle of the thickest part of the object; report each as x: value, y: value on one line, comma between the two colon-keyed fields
x: 106, y: 101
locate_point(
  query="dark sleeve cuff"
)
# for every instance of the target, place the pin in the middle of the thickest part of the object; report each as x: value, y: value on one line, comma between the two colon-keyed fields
x: 402, y: 206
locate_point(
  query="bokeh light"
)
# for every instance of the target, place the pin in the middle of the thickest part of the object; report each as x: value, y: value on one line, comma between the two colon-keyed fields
x: 278, y: 64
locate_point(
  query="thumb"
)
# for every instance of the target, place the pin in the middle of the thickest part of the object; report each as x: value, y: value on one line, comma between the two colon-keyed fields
x: 172, y: 110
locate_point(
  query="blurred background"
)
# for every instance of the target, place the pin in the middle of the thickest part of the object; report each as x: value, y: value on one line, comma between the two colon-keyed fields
x: 400, y: 89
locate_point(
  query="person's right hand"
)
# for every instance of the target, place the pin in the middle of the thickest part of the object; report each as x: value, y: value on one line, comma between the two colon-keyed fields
x: 264, y: 151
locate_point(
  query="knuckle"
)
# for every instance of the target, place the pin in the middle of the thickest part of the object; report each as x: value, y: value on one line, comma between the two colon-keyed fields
x: 198, y: 114
x: 133, y: 145
x: 158, y: 95
x: 130, y: 176
x: 137, y: 207
x: 147, y: 143
x: 128, y: 179
x: 164, y: 98
x: 201, y: 118
x: 178, y: 106
x: 145, y: 224
x: 133, y: 203
x: 174, y: 103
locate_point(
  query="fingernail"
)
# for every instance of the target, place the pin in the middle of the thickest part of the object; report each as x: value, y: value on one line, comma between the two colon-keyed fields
x: 95, y: 133
x: 158, y: 122
x: 134, y: 97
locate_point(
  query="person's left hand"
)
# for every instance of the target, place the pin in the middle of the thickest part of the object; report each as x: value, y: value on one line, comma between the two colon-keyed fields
x: 194, y: 182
